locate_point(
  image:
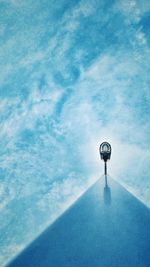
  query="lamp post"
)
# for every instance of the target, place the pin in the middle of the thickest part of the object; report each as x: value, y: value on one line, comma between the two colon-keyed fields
x: 105, y: 153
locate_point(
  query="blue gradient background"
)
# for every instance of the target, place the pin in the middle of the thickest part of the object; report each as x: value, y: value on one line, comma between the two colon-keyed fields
x: 73, y: 74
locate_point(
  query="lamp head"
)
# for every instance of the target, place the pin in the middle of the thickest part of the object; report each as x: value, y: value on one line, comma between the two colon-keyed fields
x: 105, y: 151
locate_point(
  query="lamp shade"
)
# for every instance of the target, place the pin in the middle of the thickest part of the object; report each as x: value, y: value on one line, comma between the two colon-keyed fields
x: 105, y: 151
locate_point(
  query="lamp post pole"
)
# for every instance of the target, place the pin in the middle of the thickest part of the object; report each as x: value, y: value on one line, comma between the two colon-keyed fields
x: 105, y: 167
x: 105, y: 172
x: 105, y: 153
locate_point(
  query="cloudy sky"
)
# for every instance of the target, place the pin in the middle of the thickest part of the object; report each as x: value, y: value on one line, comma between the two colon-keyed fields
x: 73, y: 74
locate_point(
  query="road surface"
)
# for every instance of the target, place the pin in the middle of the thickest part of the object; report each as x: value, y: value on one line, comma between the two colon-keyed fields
x: 106, y: 227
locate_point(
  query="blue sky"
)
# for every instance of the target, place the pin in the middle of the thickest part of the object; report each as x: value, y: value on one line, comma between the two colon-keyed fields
x: 73, y: 74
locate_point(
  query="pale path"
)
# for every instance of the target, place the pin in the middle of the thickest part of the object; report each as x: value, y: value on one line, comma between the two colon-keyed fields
x: 104, y: 228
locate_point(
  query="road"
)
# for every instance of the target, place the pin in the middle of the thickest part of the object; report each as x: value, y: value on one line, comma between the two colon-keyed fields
x: 106, y: 227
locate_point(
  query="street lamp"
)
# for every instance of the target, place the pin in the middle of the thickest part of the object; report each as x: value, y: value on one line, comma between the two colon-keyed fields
x: 105, y: 153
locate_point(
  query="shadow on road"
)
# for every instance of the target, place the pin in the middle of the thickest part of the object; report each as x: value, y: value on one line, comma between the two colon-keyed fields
x: 107, y: 193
